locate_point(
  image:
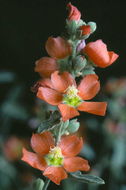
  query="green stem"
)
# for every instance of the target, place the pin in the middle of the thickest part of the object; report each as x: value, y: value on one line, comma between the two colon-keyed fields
x: 74, y: 50
x: 46, y: 184
x: 59, y: 133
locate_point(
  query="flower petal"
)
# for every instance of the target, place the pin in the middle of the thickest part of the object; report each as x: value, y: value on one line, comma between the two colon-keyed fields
x: 46, y: 66
x: 74, y: 164
x: 98, y: 53
x: 49, y: 95
x: 67, y: 112
x: 34, y: 160
x: 42, y: 142
x: 113, y: 56
x: 70, y: 145
x: 97, y: 108
x: 89, y: 87
x: 58, y: 47
x: 55, y: 174
x: 46, y: 82
x: 63, y: 81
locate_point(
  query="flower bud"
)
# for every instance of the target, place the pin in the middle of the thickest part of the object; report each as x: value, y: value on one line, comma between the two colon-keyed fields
x: 74, y: 13
x: 85, y: 29
x: 81, y: 45
x: 79, y: 63
x: 93, y: 26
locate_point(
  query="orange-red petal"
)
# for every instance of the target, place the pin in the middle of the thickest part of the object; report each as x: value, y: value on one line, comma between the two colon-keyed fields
x: 46, y: 82
x: 55, y: 174
x: 86, y: 29
x: 98, y: 53
x: 41, y: 142
x: 46, y: 66
x: 34, y: 160
x: 89, y: 87
x: 74, y: 164
x: 74, y: 13
x: 113, y: 56
x: 71, y: 145
x: 49, y: 95
x: 58, y: 47
x: 97, y: 108
x: 62, y: 81
x: 67, y: 112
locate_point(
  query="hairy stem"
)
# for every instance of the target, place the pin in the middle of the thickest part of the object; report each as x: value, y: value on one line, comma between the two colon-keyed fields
x: 46, y: 184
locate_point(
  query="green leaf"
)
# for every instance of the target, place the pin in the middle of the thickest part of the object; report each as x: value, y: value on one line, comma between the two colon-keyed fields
x: 59, y: 129
x: 73, y: 126
x: 38, y: 184
x: 50, y: 122
x: 85, y: 178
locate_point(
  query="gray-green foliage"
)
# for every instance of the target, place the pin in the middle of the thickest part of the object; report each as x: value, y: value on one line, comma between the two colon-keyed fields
x: 85, y: 178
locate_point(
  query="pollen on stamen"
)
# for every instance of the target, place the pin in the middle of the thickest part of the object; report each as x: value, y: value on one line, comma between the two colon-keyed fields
x: 55, y: 157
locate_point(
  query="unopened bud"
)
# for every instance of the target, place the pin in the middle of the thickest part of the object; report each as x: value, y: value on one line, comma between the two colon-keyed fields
x: 81, y: 45
x: 79, y: 63
x: 93, y: 26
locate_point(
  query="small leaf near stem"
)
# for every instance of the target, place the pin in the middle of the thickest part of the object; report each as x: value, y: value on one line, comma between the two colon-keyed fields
x: 46, y: 184
x: 85, y: 178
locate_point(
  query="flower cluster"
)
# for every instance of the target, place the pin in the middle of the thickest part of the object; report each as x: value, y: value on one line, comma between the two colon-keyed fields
x: 68, y: 81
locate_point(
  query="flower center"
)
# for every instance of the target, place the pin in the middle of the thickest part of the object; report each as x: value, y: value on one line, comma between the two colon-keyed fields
x: 71, y: 97
x: 55, y: 157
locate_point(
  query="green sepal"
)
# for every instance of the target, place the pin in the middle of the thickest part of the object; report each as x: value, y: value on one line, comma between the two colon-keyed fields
x: 71, y: 27
x: 89, y: 69
x: 38, y: 184
x: 80, y: 23
x: 65, y: 64
x: 73, y: 126
x: 93, y: 26
x: 52, y: 120
x: 79, y: 64
x: 85, y: 178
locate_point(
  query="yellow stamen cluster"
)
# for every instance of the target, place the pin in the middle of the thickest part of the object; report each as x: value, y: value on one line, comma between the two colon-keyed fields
x: 71, y: 97
x: 55, y: 157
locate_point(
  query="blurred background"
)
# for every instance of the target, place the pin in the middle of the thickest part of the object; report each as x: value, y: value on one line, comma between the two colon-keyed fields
x: 24, y: 29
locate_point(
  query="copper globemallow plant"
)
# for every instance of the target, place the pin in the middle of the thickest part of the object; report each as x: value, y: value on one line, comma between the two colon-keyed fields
x: 68, y: 81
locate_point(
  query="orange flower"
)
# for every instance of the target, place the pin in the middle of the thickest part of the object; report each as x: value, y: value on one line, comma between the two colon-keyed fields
x: 53, y: 160
x: 86, y: 29
x: 58, y: 47
x: 62, y: 91
x: 99, y: 55
x: 74, y: 13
